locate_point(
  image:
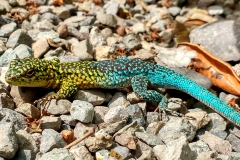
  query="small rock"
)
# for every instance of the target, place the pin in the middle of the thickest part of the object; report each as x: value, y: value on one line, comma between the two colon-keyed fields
x: 222, y: 43
x: 7, y: 57
x: 99, y: 113
x: 50, y: 140
x: 83, y: 50
x: 48, y: 122
x: 88, y: 21
x: 220, y: 134
x: 141, y: 148
x: 62, y: 154
x: 160, y: 24
x: 179, y: 149
x: 62, y: 30
x: 23, y: 51
x: 217, y: 122
x: 28, y: 110
x: 149, y: 138
x: 126, y: 140
x: 138, y: 28
x: 96, y: 38
x: 5, y: 7
x: 159, y: 155
x: 51, y: 17
x: 120, y: 151
x: 210, y: 155
x: 61, y: 12
x: 216, y: 143
x: 40, y: 47
x: 199, y: 118
x: 93, y: 96
x: 61, y: 106
x: 69, y: 58
x: 6, y: 101
x: 199, y: 146
x: 100, y: 141
x: 152, y: 117
x: 147, y: 155
x: 81, y: 153
x: 130, y: 129
x: 81, y: 128
x: 67, y: 119
x: 174, y: 11
x: 19, y: 37
x: 234, y: 141
x: 26, y: 142
x: 106, y: 32
x: 112, y: 128
x: 166, y: 35
x: 154, y: 127
x: 175, y: 128
x: 107, y: 19
x: 205, y: 3
x: 2, y: 47
x: 132, y: 97
x: 103, y: 52
x: 7, y: 29
x: 135, y: 114
x: 82, y: 111
x: 35, y: 18
x: 8, y: 115
x: 102, y: 154
x: 143, y: 54
x: 8, y: 139
x: 112, y: 7
x: 118, y: 100
x: 23, y: 95
x: 132, y: 42
x: 215, y: 10
x: 44, y: 26
x: 116, y: 114
x: 48, y: 35
x: 67, y: 135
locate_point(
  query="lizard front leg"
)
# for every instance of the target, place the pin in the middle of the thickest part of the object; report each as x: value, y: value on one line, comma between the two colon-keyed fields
x: 66, y: 90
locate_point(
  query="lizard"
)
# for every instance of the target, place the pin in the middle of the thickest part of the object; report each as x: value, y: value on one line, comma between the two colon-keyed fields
x: 68, y: 77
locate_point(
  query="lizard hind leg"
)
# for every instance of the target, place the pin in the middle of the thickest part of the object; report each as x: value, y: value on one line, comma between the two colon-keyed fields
x: 139, y: 85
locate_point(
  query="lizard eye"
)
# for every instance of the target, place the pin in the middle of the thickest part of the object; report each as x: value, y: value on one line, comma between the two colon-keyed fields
x: 30, y: 73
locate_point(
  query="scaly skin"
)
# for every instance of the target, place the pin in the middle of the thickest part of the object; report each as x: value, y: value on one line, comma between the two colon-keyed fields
x: 123, y: 72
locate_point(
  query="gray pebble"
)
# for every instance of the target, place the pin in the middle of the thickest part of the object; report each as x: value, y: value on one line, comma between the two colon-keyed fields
x: 219, y: 39
x: 23, y: 51
x: 50, y: 140
x: 107, y: 19
x: 7, y: 57
x: 9, y: 142
x: 48, y: 122
x: 82, y: 111
x: 19, y: 37
x: 62, y: 154
x: 116, y: 114
x: 7, y: 29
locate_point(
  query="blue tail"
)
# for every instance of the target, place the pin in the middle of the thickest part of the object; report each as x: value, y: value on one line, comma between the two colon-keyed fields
x: 167, y: 78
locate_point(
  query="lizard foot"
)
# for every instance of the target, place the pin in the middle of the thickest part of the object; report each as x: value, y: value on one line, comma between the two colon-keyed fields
x: 43, y: 102
x: 163, y: 107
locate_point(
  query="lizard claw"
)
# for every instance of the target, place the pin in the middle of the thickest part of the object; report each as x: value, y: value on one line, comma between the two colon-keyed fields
x: 42, y: 102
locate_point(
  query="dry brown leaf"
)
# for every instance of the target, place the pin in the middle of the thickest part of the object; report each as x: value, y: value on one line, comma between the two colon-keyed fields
x: 220, y: 72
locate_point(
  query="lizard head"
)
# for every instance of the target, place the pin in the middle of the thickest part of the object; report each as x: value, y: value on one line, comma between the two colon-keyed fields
x: 31, y: 72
